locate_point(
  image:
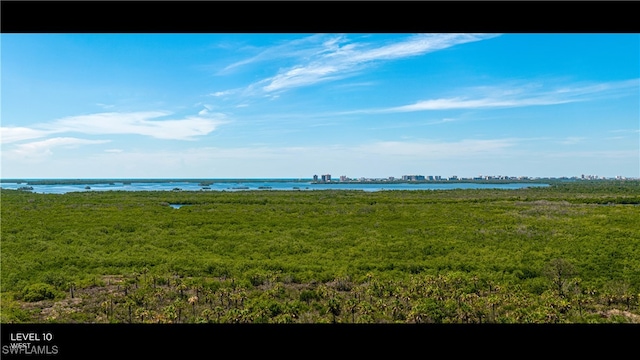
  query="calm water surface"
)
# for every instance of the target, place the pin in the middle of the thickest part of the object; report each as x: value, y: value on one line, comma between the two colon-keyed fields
x: 259, y: 185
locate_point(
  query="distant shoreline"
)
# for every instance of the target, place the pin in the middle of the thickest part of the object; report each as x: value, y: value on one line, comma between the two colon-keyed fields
x: 140, y: 180
x: 205, y: 182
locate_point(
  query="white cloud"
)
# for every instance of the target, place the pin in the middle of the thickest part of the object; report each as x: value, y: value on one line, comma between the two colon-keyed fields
x: 222, y: 93
x: 300, y: 76
x: 378, y: 159
x: 461, y: 103
x: 611, y: 87
x: 415, y: 45
x: 139, y: 123
x: 44, y: 147
x: 305, y: 47
x: 336, y: 58
x: 516, y: 96
x: 444, y: 120
x: 421, y: 149
x: 15, y: 134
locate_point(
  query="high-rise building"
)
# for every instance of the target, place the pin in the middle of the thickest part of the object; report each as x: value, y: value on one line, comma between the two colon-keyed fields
x: 413, y: 177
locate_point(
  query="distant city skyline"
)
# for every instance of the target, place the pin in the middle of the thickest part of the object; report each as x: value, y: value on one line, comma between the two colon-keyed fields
x: 431, y: 177
x: 295, y: 105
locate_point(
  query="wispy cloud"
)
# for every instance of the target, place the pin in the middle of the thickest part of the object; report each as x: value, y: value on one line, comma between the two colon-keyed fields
x: 356, y: 85
x: 44, y: 147
x: 444, y: 120
x: 324, y: 59
x: 631, y: 131
x: 139, y: 123
x: 388, y: 149
x: 572, y: 140
x: 462, y: 103
x: 340, y: 61
x: 595, y: 155
x: 414, y: 45
x: 298, y: 48
x: 393, y: 158
x: 438, y: 149
x: 291, y: 158
x: 13, y: 134
x: 223, y: 93
x: 517, y: 96
x: 612, y: 88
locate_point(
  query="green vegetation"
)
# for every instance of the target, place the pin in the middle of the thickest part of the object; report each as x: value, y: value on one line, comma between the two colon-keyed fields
x: 568, y: 253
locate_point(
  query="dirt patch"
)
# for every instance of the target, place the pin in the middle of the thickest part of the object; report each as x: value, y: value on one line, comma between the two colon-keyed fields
x: 633, y: 318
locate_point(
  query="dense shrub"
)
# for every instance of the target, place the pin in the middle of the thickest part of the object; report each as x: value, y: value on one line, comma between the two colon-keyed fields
x: 38, y: 292
x: 506, y: 249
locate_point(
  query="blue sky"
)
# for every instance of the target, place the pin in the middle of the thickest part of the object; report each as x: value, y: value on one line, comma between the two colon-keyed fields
x: 295, y: 105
